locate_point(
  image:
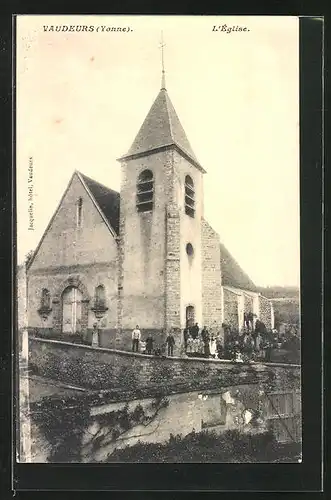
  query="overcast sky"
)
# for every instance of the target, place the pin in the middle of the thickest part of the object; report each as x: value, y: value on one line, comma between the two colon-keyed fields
x: 82, y: 96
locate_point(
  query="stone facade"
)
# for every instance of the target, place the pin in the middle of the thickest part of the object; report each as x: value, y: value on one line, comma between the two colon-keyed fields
x: 83, y: 258
x: 211, y: 279
x: 237, y: 302
x: 231, y: 317
x: 266, y: 312
x: 161, y: 268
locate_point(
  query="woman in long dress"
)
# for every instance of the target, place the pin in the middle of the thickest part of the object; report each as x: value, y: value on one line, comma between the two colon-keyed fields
x: 212, y: 347
x: 189, y: 348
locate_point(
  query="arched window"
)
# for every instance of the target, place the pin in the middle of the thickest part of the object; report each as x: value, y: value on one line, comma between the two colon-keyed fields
x: 100, y: 296
x: 79, y: 211
x: 45, y: 299
x: 189, y: 196
x: 145, y: 191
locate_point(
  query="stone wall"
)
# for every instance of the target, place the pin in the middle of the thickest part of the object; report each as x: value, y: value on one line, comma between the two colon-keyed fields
x: 206, y: 394
x: 142, y: 248
x: 189, y: 233
x: 172, y: 297
x: 86, y: 278
x: 266, y: 312
x: 211, y: 279
x: 97, y: 368
x: 248, y: 303
x: 64, y: 244
x: 230, y: 308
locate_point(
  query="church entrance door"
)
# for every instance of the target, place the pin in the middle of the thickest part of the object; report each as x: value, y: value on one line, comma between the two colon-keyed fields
x: 71, y: 310
x: 190, y: 316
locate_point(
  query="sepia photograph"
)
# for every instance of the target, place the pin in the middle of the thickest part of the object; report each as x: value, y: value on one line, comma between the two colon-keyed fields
x: 158, y: 239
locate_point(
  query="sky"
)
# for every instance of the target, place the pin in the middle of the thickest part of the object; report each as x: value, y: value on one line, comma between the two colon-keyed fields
x: 82, y: 97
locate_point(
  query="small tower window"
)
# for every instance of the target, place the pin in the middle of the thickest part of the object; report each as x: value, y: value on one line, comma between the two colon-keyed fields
x: 189, y: 196
x: 189, y: 249
x: 145, y: 191
x: 79, y: 212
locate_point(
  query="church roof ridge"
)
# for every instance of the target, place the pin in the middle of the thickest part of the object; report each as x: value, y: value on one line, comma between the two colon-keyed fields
x: 106, y: 199
x: 96, y: 182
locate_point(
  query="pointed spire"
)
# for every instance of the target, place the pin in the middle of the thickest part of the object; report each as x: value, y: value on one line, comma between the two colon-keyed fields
x: 162, y: 45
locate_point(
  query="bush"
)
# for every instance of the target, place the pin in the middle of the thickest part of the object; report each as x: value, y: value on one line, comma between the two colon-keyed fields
x: 230, y: 446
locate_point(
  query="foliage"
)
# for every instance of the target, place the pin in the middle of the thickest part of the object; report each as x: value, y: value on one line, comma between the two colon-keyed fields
x: 64, y: 422
x: 287, y: 311
x: 230, y: 446
x: 62, y: 426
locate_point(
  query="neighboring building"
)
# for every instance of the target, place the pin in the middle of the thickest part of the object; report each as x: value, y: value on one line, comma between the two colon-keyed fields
x: 143, y: 256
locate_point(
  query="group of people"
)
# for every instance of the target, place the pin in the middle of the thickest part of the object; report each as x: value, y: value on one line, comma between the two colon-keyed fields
x: 249, y: 344
x: 253, y: 342
x: 202, y: 343
x: 256, y: 342
x: 195, y: 343
x: 148, y: 346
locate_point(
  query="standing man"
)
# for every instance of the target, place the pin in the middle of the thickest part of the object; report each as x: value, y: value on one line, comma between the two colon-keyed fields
x: 170, y: 343
x: 205, y: 338
x: 195, y: 331
x: 246, y: 321
x: 136, y: 336
x: 250, y: 319
x: 149, y: 344
x: 186, y: 336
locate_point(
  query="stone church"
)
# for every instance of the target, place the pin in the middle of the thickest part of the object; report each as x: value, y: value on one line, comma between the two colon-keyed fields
x: 145, y: 256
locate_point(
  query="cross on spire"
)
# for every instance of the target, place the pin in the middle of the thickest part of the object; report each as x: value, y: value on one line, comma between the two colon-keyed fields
x: 162, y: 45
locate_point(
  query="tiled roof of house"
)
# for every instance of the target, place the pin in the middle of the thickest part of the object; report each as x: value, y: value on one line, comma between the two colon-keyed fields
x: 232, y: 274
x: 107, y: 199
x: 160, y: 128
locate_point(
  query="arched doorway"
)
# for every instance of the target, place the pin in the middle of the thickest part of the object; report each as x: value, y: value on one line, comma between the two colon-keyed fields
x: 190, y: 316
x: 71, y: 310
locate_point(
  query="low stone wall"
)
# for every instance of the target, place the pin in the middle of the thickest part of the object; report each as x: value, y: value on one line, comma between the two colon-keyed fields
x: 106, y: 369
x: 121, y: 398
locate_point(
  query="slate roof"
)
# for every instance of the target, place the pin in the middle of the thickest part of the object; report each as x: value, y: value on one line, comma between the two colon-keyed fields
x: 232, y: 274
x: 160, y: 128
x: 107, y: 200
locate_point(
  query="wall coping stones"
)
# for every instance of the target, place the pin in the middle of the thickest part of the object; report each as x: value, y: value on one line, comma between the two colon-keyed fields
x: 161, y: 358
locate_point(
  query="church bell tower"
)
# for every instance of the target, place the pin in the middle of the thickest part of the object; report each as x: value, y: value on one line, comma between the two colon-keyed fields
x: 161, y: 210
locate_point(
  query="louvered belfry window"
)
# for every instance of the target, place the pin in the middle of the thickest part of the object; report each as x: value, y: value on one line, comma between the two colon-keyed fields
x: 189, y: 196
x: 145, y: 191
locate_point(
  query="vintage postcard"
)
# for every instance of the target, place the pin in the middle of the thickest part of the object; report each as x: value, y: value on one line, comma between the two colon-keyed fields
x: 158, y: 239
